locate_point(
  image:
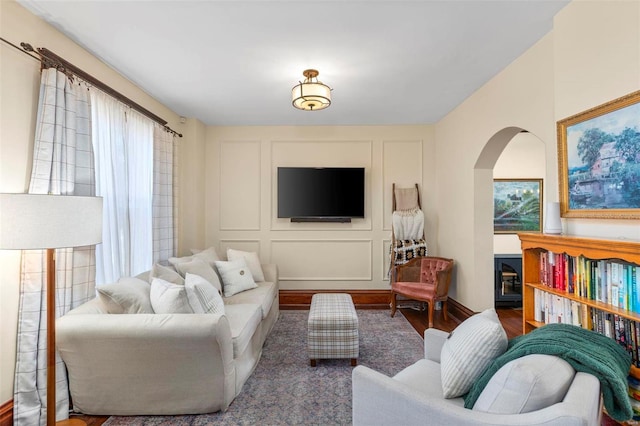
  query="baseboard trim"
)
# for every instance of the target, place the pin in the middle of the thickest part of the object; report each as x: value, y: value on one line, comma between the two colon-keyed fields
x: 362, y: 299
x: 6, y: 413
x: 458, y: 310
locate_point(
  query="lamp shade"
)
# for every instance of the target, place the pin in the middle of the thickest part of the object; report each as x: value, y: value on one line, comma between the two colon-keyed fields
x: 552, y: 222
x: 34, y: 221
x: 311, y: 94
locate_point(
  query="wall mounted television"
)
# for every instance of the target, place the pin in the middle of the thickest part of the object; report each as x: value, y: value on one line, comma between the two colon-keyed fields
x: 321, y: 194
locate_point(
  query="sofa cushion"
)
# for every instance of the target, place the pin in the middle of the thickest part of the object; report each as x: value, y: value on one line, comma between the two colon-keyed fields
x: 253, y: 262
x: 127, y: 296
x: 203, y: 297
x: 209, y: 255
x: 470, y: 348
x: 166, y: 273
x: 423, y: 377
x: 526, y: 384
x: 243, y: 321
x: 169, y: 298
x: 236, y: 276
x: 263, y: 295
x: 201, y: 268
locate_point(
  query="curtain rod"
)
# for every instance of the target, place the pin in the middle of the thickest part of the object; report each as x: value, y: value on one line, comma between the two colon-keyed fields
x: 50, y: 59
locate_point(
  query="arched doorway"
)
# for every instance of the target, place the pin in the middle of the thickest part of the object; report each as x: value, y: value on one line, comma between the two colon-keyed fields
x: 512, y: 152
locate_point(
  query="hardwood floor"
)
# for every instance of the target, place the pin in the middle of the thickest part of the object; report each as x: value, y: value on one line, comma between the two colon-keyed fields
x: 511, y: 319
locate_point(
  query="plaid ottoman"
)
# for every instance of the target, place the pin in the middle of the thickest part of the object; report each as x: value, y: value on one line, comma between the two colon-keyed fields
x: 332, y: 328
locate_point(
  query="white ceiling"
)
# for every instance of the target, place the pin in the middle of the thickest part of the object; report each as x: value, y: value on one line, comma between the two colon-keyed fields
x: 235, y: 62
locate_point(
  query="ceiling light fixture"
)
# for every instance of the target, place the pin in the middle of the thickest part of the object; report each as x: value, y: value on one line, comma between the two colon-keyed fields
x: 311, y: 94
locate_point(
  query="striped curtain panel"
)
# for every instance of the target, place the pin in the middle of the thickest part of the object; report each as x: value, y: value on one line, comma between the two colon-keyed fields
x: 164, y: 237
x: 63, y: 164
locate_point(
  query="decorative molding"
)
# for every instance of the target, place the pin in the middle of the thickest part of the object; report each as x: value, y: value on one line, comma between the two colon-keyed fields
x: 386, y: 225
x: 6, y: 413
x: 220, y: 185
x: 458, y: 310
x: 363, y: 299
x: 238, y: 240
x: 386, y: 261
x: 365, y: 278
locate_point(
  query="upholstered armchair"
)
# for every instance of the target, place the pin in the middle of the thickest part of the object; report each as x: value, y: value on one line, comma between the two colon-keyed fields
x: 426, y: 279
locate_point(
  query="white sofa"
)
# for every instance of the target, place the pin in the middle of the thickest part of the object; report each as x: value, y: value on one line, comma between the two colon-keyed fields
x: 161, y: 364
x: 415, y: 397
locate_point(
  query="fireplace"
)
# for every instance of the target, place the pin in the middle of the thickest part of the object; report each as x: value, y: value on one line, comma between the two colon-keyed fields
x: 508, y: 280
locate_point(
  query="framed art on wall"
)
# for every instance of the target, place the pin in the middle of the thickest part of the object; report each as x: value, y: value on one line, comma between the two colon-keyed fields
x: 599, y: 161
x: 516, y: 205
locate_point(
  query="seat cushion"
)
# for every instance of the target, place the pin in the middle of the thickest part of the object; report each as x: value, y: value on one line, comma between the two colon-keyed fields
x: 415, y: 290
x: 244, y: 321
x: 263, y: 295
x: 469, y: 350
x: 526, y: 384
x: 423, y: 377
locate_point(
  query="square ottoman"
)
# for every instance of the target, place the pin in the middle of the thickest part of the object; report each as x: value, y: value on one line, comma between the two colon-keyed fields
x: 332, y: 328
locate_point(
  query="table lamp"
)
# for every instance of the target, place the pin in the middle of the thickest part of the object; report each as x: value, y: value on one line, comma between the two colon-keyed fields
x: 32, y: 222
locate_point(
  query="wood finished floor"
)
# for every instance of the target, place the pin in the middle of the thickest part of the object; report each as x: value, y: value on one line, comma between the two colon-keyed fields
x: 511, y: 320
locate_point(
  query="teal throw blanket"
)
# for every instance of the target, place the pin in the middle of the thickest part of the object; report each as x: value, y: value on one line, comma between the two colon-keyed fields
x: 585, y: 350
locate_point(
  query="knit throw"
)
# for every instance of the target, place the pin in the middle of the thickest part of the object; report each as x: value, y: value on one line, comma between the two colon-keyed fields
x: 586, y: 351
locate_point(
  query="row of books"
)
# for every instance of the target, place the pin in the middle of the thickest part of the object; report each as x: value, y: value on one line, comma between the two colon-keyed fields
x: 551, y: 308
x: 608, y: 281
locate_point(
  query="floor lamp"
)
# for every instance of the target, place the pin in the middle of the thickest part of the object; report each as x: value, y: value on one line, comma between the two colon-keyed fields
x: 30, y: 222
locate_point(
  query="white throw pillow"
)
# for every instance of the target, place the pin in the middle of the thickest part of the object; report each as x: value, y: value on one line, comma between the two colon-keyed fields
x: 200, y: 267
x: 526, y: 384
x: 203, y: 297
x: 253, y: 262
x: 166, y: 273
x: 209, y: 255
x: 169, y: 298
x: 127, y: 296
x: 469, y: 350
x: 236, y: 276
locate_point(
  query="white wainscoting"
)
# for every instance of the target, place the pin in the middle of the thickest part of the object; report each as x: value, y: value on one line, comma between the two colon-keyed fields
x: 323, y: 260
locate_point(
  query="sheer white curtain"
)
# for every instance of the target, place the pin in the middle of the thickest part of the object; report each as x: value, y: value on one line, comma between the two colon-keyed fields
x: 62, y: 165
x: 123, y: 145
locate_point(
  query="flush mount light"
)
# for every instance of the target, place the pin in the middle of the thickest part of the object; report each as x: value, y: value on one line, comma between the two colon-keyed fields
x: 311, y: 94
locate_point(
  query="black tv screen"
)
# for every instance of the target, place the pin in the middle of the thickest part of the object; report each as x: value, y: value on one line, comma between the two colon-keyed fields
x: 323, y: 192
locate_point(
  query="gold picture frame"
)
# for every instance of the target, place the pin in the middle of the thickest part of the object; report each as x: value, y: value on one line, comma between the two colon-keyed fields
x: 599, y: 161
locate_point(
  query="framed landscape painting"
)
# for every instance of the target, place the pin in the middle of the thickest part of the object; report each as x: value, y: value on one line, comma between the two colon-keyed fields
x: 516, y: 205
x: 599, y: 161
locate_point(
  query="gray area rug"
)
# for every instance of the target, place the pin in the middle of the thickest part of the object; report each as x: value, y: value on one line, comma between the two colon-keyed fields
x: 285, y: 390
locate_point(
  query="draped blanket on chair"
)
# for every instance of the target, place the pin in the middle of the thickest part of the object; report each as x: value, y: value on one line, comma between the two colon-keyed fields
x: 586, y: 351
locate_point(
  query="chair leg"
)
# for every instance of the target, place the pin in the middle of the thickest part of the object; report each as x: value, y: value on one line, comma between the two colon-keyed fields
x: 393, y: 304
x: 445, y: 310
x: 431, y: 303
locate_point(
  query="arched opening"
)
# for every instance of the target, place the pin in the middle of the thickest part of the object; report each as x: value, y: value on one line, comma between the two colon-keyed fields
x: 515, y: 153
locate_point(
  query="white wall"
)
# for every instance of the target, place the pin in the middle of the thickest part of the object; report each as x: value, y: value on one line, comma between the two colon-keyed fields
x: 592, y: 67
x: 241, y: 198
x: 522, y: 158
x: 591, y: 56
x: 19, y: 89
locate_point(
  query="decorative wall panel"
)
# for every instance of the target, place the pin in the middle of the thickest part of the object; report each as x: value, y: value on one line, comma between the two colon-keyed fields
x: 240, y: 185
x: 402, y: 165
x: 323, y: 260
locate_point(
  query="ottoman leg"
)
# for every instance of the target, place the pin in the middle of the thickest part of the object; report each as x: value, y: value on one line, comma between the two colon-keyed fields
x: 354, y: 362
x: 312, y: 362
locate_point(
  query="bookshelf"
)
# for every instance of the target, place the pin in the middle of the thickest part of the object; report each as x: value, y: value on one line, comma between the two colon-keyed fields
x: 607, y: 252
x: 618, y: 251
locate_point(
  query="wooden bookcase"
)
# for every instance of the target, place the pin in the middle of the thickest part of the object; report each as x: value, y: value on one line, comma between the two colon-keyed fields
x: 533, y: 244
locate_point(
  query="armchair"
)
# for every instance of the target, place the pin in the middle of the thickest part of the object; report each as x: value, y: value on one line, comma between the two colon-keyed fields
x: 414, y: 396
x: 426, y: 279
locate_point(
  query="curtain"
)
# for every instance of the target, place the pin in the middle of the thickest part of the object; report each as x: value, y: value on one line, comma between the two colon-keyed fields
x: 62, y: 165
x: 123, y: 145
x: 163, y: 195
